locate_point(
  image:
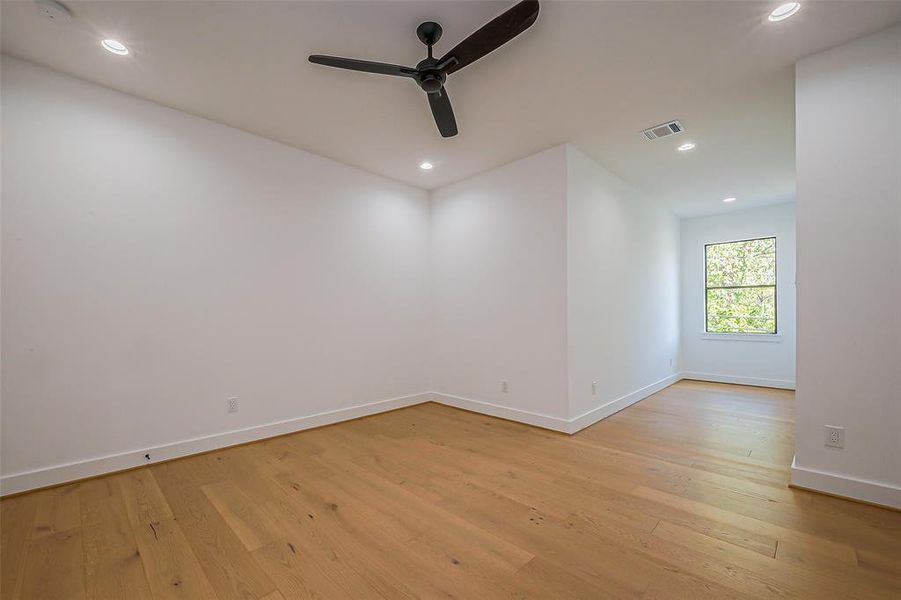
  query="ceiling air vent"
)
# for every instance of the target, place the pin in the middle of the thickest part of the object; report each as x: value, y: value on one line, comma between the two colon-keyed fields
x: 663, y: 130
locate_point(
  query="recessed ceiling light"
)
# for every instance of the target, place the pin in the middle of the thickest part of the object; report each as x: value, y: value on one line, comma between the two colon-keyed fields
x: 425, y: 166
x: 686, y: 147
x: 114, y: 46
x: 729, y: 200
x: 780, y: 13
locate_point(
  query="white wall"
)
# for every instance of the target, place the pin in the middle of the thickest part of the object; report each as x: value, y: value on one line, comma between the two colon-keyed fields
x: 849, y: 268
x: 550, y: 274
x: 155, y: 264
x: 622, y: 290
x: 499, y: 285
x: 750, y: 359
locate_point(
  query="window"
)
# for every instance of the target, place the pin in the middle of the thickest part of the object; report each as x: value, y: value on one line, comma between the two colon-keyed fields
x: 740, y: 281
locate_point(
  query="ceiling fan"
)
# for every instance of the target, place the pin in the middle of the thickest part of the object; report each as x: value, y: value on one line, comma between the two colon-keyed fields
x: 431, y: 73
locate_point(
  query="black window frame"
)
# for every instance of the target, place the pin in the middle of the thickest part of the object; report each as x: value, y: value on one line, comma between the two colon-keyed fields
x: 775, y: 287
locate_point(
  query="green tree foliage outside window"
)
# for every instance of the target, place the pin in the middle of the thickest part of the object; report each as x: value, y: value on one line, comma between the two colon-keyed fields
x: 741, y: 286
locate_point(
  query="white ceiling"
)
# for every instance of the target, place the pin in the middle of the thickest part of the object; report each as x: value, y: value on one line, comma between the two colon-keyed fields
x: 592, y: 73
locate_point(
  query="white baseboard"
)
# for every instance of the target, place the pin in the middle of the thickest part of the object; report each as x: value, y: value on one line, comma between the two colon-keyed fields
x: 504, y: 412
x: 783, y: 384
x: 38, y: 478
x: 605, y: 410
x: 555, y: 423
x: 875, y: 492
x: 57, y: 474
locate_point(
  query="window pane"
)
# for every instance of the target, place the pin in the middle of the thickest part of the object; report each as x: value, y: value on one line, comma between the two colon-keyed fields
x: 743, y: 310
x: 752, y: 262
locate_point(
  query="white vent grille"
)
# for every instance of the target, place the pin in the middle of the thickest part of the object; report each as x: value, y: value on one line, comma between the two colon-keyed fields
x: 663, y: 130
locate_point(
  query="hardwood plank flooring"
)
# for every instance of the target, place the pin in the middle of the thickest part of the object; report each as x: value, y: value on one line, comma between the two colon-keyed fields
x: 683, y: 495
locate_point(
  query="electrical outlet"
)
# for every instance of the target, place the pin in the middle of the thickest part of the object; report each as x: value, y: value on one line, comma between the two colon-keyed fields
x: 505, y: 386
x: 594, y: 388
x: 835, y: 436
x: 671, y: 362
x: 232, y: 405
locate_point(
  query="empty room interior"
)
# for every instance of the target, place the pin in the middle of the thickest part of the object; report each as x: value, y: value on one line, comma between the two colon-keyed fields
x: 451, y: 299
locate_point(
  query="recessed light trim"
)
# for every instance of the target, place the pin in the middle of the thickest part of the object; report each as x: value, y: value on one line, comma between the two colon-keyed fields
x: 729, y: 199
x: 784, y: 11
x: 426, y: 166
x: 686, y: 147
x: 114, y: 46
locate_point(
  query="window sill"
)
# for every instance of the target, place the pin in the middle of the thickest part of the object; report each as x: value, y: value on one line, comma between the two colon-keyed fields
x: 772, y: 338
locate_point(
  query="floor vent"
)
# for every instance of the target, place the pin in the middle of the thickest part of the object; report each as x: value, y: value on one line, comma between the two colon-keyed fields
x: 663, y: 130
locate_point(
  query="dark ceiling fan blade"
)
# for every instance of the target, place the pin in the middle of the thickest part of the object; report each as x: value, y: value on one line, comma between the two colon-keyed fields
x: 491, y: 36
x: 362, y: 65
x: 443, y: 113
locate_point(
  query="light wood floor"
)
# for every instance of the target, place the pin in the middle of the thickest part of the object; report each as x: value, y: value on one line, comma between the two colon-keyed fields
x: 680, y: 496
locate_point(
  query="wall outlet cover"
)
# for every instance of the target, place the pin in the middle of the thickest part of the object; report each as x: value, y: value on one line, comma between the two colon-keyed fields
x: 835, y: 436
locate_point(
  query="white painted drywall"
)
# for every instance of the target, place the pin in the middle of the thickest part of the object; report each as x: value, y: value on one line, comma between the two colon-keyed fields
x: 499, y: 285
x: 155, y: 264
x: 750, y: 359
x: 549, y: 273
x: 849, y: 266
x: 622, y: 287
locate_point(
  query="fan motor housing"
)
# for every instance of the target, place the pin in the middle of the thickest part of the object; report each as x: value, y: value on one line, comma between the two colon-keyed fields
x: 430, y: 79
